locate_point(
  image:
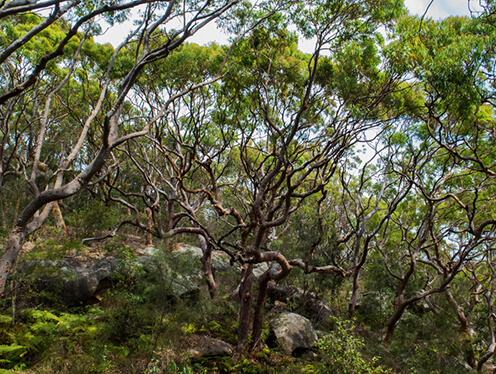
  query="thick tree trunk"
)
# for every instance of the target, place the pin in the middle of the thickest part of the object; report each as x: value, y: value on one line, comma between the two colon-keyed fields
x: 13, y: 248
x: 276, y: 272
x: 393, y: 320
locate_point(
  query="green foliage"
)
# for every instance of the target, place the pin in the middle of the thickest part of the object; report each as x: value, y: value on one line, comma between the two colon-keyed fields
x: 53, y: 247
x: 435, y: 118
x: 44, y: 332
x: 426, y: 343
x: 94, y: 218
x: 341, y: 352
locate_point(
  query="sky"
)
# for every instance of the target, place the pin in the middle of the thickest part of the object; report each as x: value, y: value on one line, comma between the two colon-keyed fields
x: 441, y: 8
x: 438, y: 9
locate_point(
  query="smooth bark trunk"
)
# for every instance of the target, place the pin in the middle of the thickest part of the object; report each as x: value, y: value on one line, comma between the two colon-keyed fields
x: 30, y: 220
x: 13, y: 248
x: 149, y: 223
x: 206, y: 261
x: 60, y: 218
x: 393, y: 320
x: 354, y: 296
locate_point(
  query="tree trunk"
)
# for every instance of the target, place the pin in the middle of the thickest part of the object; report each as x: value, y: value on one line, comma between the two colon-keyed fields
x: 354, y: 296
x: 60, y: 218
x: 245, y: 296
x: 30, y: 220
x: 258, y: 317
x: 14, y: 245
x: 206, y: 261
x: 393, y: 320
x: 464, y: 330
x: 149, y: 223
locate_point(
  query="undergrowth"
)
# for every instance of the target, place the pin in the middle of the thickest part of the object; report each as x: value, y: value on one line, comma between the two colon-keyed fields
x: 140, y: 328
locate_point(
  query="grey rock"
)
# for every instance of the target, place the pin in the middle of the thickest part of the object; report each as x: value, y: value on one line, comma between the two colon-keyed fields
x: 221, y: 262
x: 75, y: 283
x: 211, y: 347
x: 80, y: 284
x: 259, y: 269
x: 179, y: 271
x: 293, y: 332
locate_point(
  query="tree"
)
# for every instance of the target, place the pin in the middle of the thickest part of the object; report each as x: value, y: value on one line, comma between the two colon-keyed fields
x: 110, y: 117
x: 248, y: 151
x: 447, y: 161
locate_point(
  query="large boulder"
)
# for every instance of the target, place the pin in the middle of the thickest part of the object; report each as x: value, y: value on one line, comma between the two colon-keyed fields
x: 75, y: 283
x: 82, y: 284
x: 179, y: 272
x: 293, y: 332
x: 220, y: 260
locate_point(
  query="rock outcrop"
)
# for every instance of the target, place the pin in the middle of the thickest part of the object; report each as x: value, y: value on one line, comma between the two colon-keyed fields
x: 85, y: 284
x: 293, y: 332
x: 83, y: 281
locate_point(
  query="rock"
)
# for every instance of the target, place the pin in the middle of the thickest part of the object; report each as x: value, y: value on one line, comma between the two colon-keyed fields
x: 148, y: 251
x: 81, y: 284
x: 187, y: 250
x: 210, y: 347
x: 221, y: 262
x: 293, y: 332
x: 179, y: 272
x: 74, y: 284
x: 260, y: 268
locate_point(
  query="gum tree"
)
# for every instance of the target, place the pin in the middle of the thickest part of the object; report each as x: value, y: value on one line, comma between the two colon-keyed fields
x: 109, y: 119
x: 237, y: 159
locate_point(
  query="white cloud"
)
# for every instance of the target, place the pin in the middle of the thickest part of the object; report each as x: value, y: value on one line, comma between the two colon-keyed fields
x: 441, y: 8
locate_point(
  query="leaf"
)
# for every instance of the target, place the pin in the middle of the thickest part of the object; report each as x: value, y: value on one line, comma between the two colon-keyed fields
x: 10, y: 348
x: 5, y: 371
x: 5, y: 319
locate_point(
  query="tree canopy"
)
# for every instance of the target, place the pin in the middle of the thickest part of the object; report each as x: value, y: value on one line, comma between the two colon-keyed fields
x: 368, y: 162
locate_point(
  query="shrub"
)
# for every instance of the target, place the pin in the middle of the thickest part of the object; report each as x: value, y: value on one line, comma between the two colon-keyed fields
x: 341, y: 352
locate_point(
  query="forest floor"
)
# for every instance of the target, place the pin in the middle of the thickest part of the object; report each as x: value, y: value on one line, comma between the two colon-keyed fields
x: 135, y: 328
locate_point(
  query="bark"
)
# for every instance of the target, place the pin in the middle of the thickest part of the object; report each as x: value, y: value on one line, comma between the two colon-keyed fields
x: 464, y: 330
x: 245, y: 296
x: 149, y: 236
x: 258, y: 316
x: 14, y: 244
x: 354, y: 295
x: 30, y: 219
x: 59, y: 216
x: 276, y: 272
x: 206, y: 261
x: 393, y: 320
